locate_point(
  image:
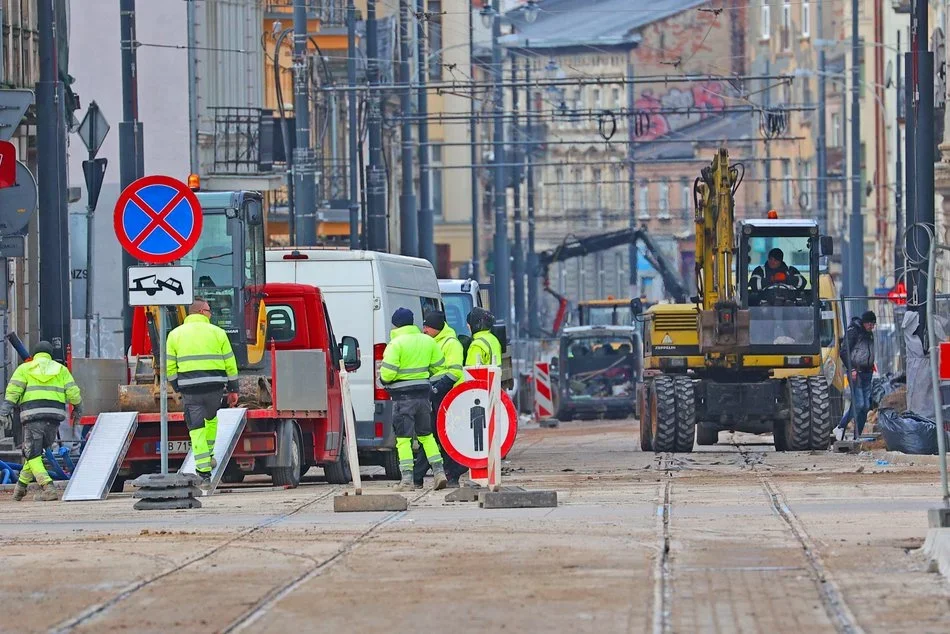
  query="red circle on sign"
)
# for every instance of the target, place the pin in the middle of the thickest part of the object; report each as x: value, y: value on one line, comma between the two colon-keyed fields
x: 507, y: 443
x: 131, y: 195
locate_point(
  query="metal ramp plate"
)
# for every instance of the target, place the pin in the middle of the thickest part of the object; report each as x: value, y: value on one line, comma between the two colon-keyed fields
x: 230, y: 425
x: 100, y: 459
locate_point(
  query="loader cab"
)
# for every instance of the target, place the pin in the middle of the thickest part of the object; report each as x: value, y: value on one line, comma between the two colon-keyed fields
x: 783, y: 304
x: 228, y: 265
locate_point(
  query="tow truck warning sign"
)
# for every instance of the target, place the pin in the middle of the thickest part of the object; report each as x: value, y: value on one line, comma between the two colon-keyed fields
x: 161, y: 286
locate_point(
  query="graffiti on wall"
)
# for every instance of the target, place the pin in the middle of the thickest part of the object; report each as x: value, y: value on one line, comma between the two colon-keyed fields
x: 677, y: 108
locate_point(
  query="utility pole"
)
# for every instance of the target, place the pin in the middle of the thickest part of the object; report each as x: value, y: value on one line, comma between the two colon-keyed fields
x: 855, y: 275
x: 305, y: 205
x: 518, y: 253
x: 408, y: 216
x: 923, y: 78
x: 822, y: 130
x: 768, y: 150
x: 55, y: 323
x: 352, y: 98
x: 910, y: 163
x: 502, y: 270
x: 899, y: 185
x: 473, y: 153
x: 192, y: 88
x: 426, y: 220
x: 534, y: 318
x: 631, y: 180
x: 131, y: 136
x: 378, y: 229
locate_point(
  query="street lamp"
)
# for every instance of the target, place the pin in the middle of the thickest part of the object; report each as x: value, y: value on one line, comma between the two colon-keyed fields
x: 530, y: 12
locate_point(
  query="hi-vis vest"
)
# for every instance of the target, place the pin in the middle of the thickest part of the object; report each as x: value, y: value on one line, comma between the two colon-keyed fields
x: 409, y: 360
x: 484, y: 350
x: 42, y: 387
x: 200, y: 357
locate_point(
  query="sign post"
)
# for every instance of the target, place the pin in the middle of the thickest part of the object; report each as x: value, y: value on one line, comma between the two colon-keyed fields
x: 92, y: 132
x: 157, y: 220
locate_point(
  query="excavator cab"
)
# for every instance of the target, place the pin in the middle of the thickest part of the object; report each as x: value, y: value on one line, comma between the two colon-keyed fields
x: 228, y: 264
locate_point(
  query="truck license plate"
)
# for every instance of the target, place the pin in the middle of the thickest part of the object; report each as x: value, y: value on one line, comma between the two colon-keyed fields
x: 175, y: 446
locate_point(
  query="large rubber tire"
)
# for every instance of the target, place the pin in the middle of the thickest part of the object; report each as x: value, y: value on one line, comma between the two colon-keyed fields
x: 664, y: 421
x: 339, y: 472
x: 822, y: 421
x: 706, y: 434
x: 118, y: 485
x: 796, y: 431
x: 685, y: 414
x: 391, y: 465
x: 647, y: 411
x: 232, y: 474
x: 290, y: 476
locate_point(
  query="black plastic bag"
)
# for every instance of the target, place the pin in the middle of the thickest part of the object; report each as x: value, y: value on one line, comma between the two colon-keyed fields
x: 907, y: 432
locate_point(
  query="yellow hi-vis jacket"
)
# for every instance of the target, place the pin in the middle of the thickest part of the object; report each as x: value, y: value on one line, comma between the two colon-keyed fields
x: 410, y: 358
x: 200, y: 358
x: 42, y: 387
x: 484, y: 349
x: 451, y: 349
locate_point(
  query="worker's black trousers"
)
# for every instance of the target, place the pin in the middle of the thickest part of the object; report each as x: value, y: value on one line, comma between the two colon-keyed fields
x: 453, y: 470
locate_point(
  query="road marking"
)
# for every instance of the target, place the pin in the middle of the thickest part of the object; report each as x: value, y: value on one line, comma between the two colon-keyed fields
x: 662, y: 586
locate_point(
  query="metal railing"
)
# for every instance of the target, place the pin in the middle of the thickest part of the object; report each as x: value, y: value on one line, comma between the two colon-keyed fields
x: 333, y: 179
x: 329, y: 12
x: 243, y: 140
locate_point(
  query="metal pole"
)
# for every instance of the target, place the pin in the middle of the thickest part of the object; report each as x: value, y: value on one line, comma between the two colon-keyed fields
x: 822, y: 140
x: 910, y: 163
x: 935, y: 371
x: 631, y: 181
x: 408, y: 216
x: 923, y: 79
x: 855, y: 275
x: 163, y: 389
x: 768, y: 149
x: 502, y: 268
x: 518, y: 251
x: 899, y: 185
x: 192, y: 88
x: 378, y: 230
x: 534, y: 318
x: 131, y: 157
x: 305, y: 206
x: 473, y: 154
x: 90, y: 236
x: 426, y: 219
x: 53, y: 217
x: 353, y: 125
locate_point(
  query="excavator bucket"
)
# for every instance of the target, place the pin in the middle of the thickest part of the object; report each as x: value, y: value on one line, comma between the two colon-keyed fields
x: 255, y: 392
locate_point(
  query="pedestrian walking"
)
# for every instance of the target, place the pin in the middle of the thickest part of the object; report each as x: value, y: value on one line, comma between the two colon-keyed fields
x: 409, y: 361
x: 201, y: 366
x: 446, y: 376
x: 858, y: 358
x: 41, y: 388
x: 485, y: 348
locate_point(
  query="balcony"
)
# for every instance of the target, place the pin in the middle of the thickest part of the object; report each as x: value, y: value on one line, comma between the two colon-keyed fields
x: 243, y: 141
x: 332, y: 178
x: 328, y: 12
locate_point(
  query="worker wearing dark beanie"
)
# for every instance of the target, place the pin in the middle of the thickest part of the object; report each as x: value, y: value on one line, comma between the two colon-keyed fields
x: 434, y: 319
x: 402, y: 317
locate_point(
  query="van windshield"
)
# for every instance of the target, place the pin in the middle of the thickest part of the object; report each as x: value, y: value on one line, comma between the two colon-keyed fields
x: 457, y: 308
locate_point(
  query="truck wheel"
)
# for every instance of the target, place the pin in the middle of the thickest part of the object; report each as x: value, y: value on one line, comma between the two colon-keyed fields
x: 647, y: 409
x: 664, y: 414
x: 821, y: 418
x: 796, y: 432
x: 233, y: 475
x: 290, y: 476
x: 391, y: 465
x: 685, y: 414
x: 706, y: 434
x: 339, y: 471
x: 118, y: 485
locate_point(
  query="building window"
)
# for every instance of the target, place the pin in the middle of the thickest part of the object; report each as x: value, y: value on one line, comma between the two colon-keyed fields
x: 598, y: 189
x: 597, y: 103
x: 435, y: 39
x: 806, y: 19
x: 579, y: 188
x: 786, y: 182
x: 786, y: 26
x: 766, y: 20
x: 836, y: 129
x: 618, y: 187
x: 643, y: 201
x: 435, y: 179
x: 806, y: 91
x: 686, y: 200
x: 664, y: 201
x: 561, y: 191
x: 805, y: 188
x: 615, y: 95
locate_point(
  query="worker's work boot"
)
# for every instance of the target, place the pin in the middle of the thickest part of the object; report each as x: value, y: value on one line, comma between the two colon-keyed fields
x: 47, y: 493
x: 438, y: 472
x: 214, y: 463
x: 405, y: 483
x: 20, y: 491
x: 205, y: 483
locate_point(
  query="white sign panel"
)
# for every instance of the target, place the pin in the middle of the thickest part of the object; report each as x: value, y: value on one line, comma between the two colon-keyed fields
x: 466, y: 423
x: 161, y: 286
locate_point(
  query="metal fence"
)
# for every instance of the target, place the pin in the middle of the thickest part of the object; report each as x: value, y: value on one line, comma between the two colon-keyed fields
x: 243, y: 140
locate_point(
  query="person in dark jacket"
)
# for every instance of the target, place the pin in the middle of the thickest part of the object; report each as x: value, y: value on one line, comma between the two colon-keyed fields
x: 775, y: 271
x: 858, y: 358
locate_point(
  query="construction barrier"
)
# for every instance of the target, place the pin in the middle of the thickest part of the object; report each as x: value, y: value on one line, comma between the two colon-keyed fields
x: 543, y: 398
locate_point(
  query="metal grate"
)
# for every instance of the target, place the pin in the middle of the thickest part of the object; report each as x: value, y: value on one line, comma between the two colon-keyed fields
x: 329, y: 12
x: 243, y: 140
x: 674, y: 322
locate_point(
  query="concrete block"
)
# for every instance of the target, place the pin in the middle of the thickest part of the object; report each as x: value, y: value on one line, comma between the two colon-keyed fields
x: 168, y: 494
x: 517, y: 499
x: 167, y: 481
x: 166, y: 505
x: 549, y: 423
x: 939, y: 517
x: 347, y: 503
x: 464, y: 494
x: 847, y: 446
x: 937, y: 548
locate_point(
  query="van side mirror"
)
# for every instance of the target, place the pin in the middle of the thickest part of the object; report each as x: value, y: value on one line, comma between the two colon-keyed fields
x: 826, y: 246
x: 636, y: 306
x: 350, y: 351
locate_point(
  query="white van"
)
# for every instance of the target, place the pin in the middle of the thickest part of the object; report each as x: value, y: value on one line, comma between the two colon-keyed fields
x: 362, y: 289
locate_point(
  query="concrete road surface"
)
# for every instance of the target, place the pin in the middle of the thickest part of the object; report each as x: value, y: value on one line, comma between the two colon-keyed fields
x: 731, y: 538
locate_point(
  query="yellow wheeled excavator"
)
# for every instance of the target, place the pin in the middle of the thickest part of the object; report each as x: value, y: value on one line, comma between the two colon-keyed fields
x: 714, y: 363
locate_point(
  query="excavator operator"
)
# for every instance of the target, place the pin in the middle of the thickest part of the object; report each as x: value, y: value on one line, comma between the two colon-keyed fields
x: 775, y: 272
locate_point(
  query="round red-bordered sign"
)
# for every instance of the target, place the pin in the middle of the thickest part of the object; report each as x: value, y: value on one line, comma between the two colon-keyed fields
x: 454, y: 394
x: 157, y: 219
